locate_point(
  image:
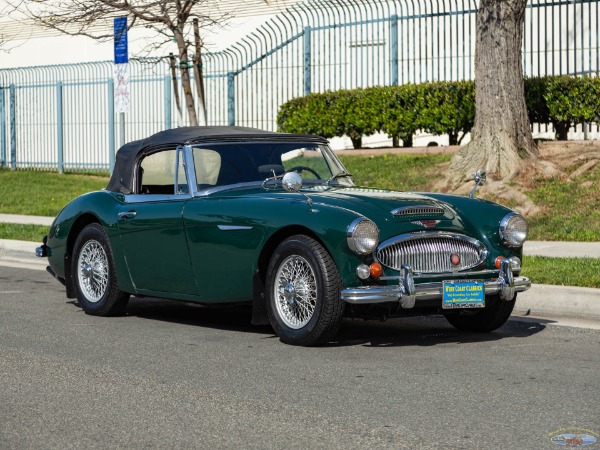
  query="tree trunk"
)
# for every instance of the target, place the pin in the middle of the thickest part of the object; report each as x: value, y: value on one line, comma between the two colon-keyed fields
x: 501, y: 135
x: 172, y: 65
x: 199, y: 75
x: 453, y: 138
x: 561, y: 130
x: 356, y: 141
x: 185, y: 79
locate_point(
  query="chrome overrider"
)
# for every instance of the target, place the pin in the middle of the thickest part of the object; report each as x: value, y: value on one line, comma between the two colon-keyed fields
x: 408, y: 293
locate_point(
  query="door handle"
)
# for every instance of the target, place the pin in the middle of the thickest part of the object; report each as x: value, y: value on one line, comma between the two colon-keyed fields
x: 127, y: 215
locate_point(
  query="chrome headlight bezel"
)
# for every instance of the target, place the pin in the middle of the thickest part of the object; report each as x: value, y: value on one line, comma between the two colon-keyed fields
x: 361, y: 229
x: 509, y: 227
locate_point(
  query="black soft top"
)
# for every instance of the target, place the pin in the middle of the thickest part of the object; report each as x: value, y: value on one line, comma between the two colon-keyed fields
x: 128, y: 155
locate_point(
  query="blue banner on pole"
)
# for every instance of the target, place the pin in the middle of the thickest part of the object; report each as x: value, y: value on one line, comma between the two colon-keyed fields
x: 121, y: 55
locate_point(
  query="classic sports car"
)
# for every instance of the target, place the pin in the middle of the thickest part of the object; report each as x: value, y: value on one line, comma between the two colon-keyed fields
x: 222, y: 215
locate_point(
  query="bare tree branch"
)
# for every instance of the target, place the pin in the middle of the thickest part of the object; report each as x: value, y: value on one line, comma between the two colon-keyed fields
x: 170, y: 19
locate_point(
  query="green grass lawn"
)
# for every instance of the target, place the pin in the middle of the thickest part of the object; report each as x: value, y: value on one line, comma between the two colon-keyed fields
x: 583, y: 272
x: 19, y: 232
x: 43, y: 193
x: 396, y: 172
x: 571, y: 209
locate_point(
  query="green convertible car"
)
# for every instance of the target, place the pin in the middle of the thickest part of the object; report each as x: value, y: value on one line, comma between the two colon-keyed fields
x: 224, y: 215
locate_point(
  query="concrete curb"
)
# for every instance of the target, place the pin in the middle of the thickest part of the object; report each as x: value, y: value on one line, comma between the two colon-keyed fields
x: 560, y: 301
x: 21, y: 254
x: 562, y: 249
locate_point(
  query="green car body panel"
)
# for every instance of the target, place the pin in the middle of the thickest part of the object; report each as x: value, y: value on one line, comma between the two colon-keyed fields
x: 175, y: 249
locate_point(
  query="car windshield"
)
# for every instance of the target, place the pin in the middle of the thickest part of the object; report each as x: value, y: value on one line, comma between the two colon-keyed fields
x: 232, y: 163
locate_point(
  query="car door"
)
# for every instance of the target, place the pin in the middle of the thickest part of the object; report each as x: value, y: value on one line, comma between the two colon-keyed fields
x: 151, y: 227
x: 224, y: 241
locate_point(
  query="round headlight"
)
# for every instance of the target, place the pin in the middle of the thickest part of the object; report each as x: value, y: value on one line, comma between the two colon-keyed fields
x: 362, y: 236
x: 513, y: 230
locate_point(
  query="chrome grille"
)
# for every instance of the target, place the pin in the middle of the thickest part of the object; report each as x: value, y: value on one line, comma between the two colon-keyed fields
x: 431, y: 252
x: 417, y: 210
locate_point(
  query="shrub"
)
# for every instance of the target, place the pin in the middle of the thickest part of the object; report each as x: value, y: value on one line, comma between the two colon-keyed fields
x: 438, y: 108
x: 571, y: 101
x: 448, y: 108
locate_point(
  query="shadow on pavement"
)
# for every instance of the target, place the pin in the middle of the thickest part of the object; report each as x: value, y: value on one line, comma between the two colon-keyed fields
x: 402, y: 332
x: 423, y: 331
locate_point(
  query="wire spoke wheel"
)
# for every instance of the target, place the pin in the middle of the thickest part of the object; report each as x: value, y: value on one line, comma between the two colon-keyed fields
x: 92, y: 271
x: 94, y: 275
x: 295, y: 291
x: 303, y: 295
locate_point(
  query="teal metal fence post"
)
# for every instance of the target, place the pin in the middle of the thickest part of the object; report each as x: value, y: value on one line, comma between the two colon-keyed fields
x: 168, y: 100
x: 231, y: 98
x: 307, y: 60
x: 2, y: 129
x: 111, y: 124
x: 394, y: 49
x: 13, y: 130
x: 59, y: 126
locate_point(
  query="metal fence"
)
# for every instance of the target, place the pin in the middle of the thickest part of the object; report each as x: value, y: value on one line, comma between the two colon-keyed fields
x: 62, y: 117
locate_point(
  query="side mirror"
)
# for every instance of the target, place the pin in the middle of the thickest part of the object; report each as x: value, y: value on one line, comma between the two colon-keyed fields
x: 480, y: 179
x: 292, y: 182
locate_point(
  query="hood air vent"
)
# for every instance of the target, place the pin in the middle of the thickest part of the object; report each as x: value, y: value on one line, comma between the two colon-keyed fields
x: 417, y: 210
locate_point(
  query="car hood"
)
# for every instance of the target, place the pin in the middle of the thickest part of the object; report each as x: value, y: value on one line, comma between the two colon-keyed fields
x: 382, y: 204
x: 457, y: 213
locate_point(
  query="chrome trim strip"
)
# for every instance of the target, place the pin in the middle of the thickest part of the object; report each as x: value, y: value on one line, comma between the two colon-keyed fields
x: 228, y: 187
x: 233, y: 227
x: 190, y: 169
x: 418, y: 275
x: 146, y: 198
x: 425, y: 291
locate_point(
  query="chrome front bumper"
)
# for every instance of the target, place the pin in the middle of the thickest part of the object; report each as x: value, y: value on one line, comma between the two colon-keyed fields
x: 407, y: 293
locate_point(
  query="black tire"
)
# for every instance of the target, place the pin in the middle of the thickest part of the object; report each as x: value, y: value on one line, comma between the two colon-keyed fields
x: 490, y: 318
x: 306, y: 308
x: 93, y: 272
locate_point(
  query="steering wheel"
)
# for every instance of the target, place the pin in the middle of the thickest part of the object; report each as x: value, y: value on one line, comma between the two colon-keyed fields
x: 300, y: 169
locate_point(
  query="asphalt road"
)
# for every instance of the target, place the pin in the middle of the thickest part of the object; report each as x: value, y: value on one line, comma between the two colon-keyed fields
x: 175, y: 375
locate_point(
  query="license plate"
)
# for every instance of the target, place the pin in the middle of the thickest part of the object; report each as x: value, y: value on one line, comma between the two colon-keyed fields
x: 463, y: 294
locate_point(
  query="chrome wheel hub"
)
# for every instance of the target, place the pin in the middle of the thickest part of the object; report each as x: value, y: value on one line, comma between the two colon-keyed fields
x: 289, y: 293
x: 87, y: 272
x: 92, y: 271
x: 295, y: 291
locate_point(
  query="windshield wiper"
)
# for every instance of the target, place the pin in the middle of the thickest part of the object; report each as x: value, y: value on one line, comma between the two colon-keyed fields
x: 273, y: 178
x: 338, y: 175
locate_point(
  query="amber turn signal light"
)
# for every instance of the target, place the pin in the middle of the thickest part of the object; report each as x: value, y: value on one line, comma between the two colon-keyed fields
x: 376, y: 270
x: 498, y: 261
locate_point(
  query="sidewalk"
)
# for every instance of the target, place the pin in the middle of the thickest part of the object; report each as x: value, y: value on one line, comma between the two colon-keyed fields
x: 540, y: 300
x: 26, y: 220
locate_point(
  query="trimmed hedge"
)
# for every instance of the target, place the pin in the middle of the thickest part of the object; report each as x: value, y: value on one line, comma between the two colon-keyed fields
x: 438, y: 108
